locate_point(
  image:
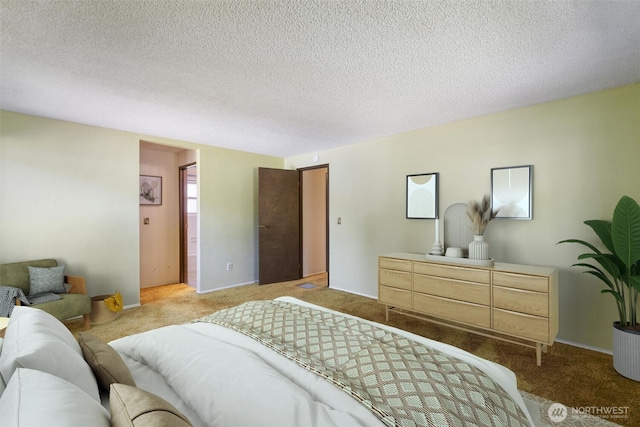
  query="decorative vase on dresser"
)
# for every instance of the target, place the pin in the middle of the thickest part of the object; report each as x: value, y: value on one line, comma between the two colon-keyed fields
x: 478, y: 249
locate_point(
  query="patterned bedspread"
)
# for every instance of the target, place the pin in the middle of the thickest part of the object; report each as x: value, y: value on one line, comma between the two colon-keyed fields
x: 402, y: 382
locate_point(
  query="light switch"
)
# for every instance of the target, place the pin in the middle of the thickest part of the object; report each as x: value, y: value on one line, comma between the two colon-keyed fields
x: 339, y: 220
x: 146, y: 221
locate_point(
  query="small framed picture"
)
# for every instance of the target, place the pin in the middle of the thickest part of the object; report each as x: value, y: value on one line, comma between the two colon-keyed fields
x: 422, y: 196
x: 511, y: 192
x: 150, y: 190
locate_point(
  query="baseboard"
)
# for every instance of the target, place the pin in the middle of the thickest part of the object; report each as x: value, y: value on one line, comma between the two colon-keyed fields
x: 585, y: 346
x: 226, y: 287
x: 313, y: 273
x: 127, y: 307
x: 351, y: 292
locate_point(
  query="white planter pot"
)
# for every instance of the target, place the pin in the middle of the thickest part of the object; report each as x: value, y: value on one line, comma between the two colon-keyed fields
x: 626, y: 352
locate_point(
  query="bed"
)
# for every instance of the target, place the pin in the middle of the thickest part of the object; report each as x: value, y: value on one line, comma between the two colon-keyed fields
x: 285, y: 362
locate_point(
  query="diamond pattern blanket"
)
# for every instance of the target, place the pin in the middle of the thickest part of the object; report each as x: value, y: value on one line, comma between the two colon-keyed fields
x: 402, y: 382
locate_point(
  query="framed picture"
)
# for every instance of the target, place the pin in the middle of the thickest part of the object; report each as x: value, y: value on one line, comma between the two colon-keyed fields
x: 422, y: 196
x: 150, y: 190
x: 511, y: 192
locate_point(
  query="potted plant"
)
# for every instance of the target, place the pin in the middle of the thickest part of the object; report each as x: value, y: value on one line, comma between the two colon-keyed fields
x: 619, y: 269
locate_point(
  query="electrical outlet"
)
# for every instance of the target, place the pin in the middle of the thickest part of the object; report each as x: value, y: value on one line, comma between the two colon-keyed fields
x: 229, y: 266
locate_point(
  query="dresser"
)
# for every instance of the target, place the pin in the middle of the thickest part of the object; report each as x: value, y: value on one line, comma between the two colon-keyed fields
x: 511, y: 302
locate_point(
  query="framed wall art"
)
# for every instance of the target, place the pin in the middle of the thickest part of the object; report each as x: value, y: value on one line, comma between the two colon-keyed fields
x: 422, y: 196
x: 511, y: 192
x: 150, y: 190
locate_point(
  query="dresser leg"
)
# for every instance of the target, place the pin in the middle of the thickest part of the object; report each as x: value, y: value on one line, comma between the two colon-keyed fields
x: 386, y: 308
x: 539, y: 353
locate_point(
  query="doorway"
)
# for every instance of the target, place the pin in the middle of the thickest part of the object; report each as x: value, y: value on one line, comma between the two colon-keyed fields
x: 314, y: 211
x: 293, y: 223
x: 189, y: 224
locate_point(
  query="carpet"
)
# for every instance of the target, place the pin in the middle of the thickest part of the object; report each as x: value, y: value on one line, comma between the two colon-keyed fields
x: 581, y: 379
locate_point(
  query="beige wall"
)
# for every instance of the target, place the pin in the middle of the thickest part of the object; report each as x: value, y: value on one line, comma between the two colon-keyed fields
x: 314, y: 221
x: 160, y: 238
x: 69, y: 191
x: 584, y: 152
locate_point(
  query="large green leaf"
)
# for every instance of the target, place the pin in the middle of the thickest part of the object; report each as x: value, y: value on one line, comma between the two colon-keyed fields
x: 625, y: 231
x: 581, y: 242
x: 603, y: 229
x: 598, y: 273
x: 608, y: 261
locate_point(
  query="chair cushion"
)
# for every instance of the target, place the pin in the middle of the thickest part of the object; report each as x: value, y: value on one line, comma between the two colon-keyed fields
x: 44, y: 280
x: 105, y: 362
x: 42, y: 298
x: 132, y: 406
x: 35, y: 398
x: 71, y: 305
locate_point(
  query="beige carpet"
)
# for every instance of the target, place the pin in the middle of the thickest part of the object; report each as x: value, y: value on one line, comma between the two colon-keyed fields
x: 576, y: 377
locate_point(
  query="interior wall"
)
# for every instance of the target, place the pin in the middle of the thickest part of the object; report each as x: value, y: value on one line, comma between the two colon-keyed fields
x: 160, y: 238
x: 314, y: 221
x: 69, y: 191
x: 584, y: 151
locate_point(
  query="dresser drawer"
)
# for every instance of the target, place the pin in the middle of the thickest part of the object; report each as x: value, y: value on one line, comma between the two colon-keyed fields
x: 394, y: 297
x: 453, y: 272
x: 529, y: 283
x: 394, y: 264
x: 521, y: 325
x: 528, y: 302
x: 463, y: 312
x: 455, y: 289
x: 395, y: 279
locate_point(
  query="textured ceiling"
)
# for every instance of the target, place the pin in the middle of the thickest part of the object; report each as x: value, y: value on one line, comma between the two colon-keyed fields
x: 289, y: 77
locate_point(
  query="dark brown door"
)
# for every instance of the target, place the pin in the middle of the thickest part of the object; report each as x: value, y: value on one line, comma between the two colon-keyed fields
x: 278, y: 225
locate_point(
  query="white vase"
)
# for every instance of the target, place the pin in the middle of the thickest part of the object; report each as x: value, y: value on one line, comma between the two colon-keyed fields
x: 478, y: 249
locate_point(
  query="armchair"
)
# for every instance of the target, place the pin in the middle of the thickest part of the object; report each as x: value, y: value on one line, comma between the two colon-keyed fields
x: 74, y: 303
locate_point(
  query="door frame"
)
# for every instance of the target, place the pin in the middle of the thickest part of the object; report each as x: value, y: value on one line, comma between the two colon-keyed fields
x: 183, y: 221
x: 301, y: 172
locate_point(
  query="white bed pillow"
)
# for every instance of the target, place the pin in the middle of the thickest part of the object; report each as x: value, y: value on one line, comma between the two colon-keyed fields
x: 33, y: 341
x: 35, y: 398
x: 2, y: 383
x: 25, y: 320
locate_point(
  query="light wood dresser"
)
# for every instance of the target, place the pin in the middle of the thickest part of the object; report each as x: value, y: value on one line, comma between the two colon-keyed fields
x: 515, y: 303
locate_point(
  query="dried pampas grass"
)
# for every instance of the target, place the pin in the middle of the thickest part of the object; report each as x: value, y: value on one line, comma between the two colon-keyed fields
x: 480, y: 214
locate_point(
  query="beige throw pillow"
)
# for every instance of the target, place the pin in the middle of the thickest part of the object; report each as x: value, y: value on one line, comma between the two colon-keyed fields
x: 105, y: 362
x: 132, y: 407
